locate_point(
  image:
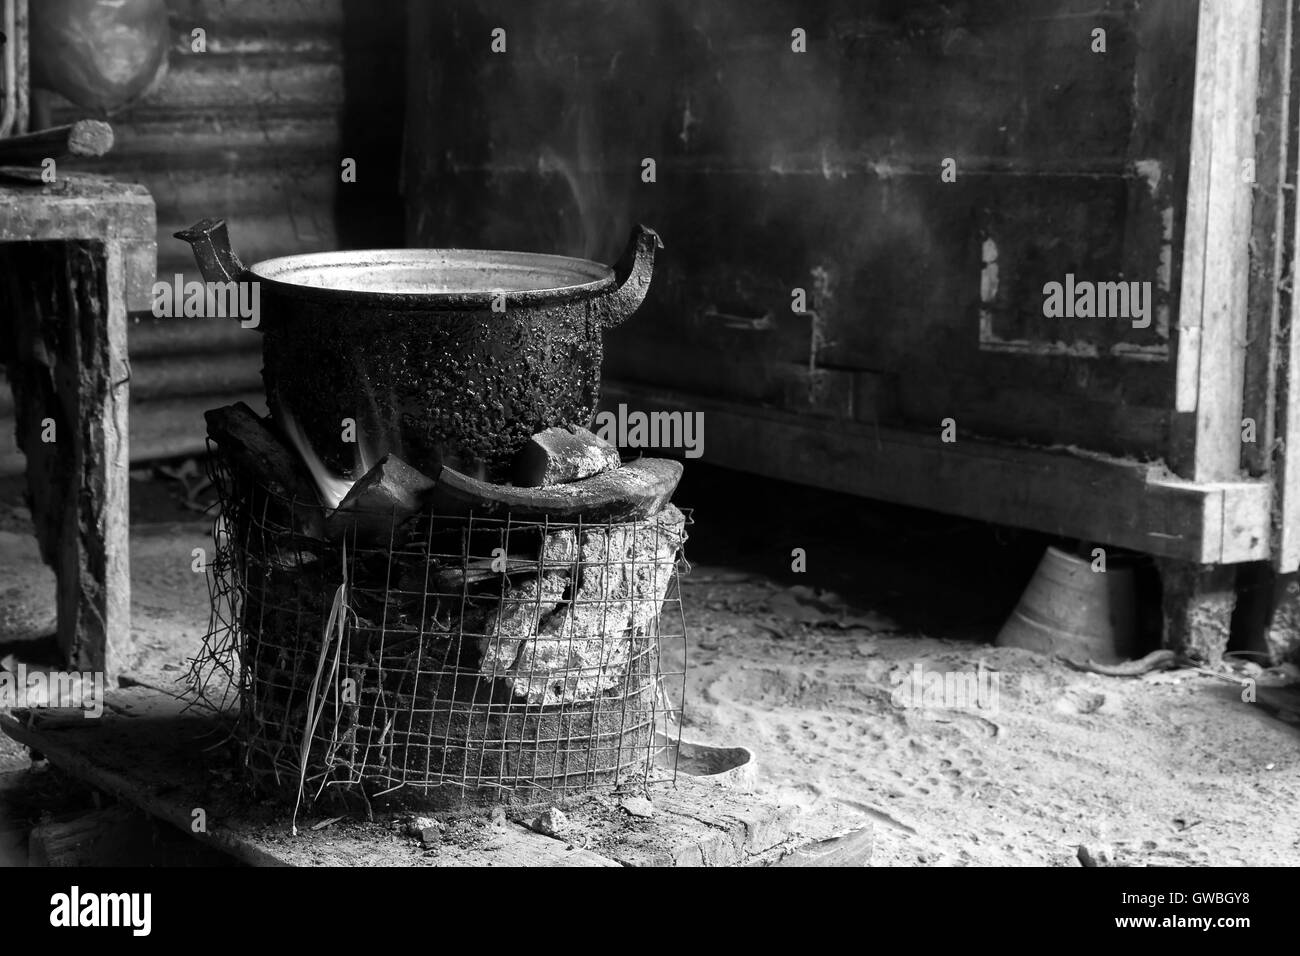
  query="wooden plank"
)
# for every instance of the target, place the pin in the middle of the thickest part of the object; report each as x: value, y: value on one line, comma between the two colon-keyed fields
x: 848, y: 849
x: 66, y: 361
x: 147, y: 750
x: 1210, y: 372
x: 1285, y: 350
x: 693, y: 825
x: 76, y: 207
x: 94, y: 838
x: 105, y: 444
x: 1114, y: 501
x: 1272, y: 215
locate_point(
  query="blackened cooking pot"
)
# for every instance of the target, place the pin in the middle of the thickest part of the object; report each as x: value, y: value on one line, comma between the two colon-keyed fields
x: 452, y: 356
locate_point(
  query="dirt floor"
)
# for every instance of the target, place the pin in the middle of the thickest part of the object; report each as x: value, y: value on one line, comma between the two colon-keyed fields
x: 807, y: 670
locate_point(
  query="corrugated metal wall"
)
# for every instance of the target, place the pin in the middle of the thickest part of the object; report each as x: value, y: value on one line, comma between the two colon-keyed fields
x: 253, y: 130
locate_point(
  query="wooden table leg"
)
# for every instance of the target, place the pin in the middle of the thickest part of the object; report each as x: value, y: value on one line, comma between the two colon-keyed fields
x: 65, y: 314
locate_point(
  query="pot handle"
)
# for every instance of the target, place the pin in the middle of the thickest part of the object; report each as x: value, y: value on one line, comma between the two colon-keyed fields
x: 632, y: 274
x: 211, y: 244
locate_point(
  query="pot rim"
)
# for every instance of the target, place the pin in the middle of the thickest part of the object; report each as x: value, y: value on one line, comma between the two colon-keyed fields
x: 355, y: 276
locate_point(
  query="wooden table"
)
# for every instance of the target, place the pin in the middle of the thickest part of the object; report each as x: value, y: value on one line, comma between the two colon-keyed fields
x: 75, y: 256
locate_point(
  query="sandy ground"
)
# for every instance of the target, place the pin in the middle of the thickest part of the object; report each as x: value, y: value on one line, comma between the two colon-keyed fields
x: 1172, y: 769
x: 1169, y: 769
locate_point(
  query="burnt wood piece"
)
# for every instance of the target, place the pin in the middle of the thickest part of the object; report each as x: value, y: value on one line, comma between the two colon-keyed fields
x: 560, y: 455
x: 253, y: 447
x: 637, y: 490
x: 82, y: 138
x: 380, y: 501
x: 479, y: 571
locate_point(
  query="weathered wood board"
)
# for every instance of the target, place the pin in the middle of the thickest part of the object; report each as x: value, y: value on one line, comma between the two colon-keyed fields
x: 75, y: 255
x: 148, y: 750
x: 1098, y: 498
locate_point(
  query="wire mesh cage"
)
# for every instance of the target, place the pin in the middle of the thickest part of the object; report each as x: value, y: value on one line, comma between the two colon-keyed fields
x: 443, y: 660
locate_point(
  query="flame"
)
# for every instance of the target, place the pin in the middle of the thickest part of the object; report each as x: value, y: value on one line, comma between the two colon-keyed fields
x: 333, y: 488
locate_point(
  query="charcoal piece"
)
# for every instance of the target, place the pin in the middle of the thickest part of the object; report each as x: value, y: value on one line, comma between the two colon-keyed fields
x: 584, y: 648
x: 379, y: 503
x: 521, y: 610
x: 560, y: 455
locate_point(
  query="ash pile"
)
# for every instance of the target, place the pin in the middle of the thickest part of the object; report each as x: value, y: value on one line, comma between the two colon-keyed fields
x: 437, y: 640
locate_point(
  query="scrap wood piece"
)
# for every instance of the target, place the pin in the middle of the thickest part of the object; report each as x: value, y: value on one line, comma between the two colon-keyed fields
x: 452, y: 580
x: 379, y: 502
x: 693, y: 825
x: 85, y: 137
x: 848, y: 849
x: 637, y: 490
x: 561, y: 455
x: 1161, y: 660
x: 251, y: 445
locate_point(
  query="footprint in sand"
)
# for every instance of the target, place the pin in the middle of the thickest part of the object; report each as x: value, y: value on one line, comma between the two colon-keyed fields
x: 1079, y: 701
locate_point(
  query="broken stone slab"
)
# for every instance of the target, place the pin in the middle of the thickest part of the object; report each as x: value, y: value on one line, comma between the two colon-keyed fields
x: 561, y: 455
x: 378, y: 503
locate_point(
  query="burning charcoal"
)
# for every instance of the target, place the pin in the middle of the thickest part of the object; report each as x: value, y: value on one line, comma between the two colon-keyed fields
x: 559, y: 455
x: 559, y: 549
x: 516, y: 619
x: 583, y: 649
x: 381, y: 500
x: 637, y: 490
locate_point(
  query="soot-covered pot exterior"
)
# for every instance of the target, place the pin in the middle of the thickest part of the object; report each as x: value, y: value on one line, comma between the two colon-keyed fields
x: 437, y: 379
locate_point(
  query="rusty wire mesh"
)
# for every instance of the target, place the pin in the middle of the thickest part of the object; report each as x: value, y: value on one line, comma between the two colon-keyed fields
x: 459, y: 660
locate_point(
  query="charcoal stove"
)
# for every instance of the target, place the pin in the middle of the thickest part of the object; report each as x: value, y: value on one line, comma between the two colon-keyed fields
x: 385, y: 625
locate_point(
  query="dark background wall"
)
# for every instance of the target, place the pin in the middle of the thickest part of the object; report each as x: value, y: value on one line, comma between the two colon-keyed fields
x: 821, y: 171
